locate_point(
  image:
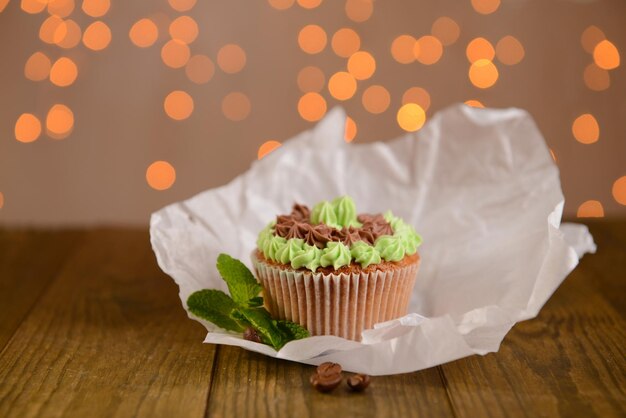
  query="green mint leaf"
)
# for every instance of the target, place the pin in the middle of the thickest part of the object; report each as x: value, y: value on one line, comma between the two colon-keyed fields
x: 214, y: 306
x: 242, y: 285
x: 262, y: 322
x: 292, y: 330
x: 255, y: 302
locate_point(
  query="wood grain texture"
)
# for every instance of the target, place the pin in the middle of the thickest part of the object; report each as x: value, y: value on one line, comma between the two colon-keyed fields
x: 248, y: 384
x: 108, y: 338
x: 29, y: 260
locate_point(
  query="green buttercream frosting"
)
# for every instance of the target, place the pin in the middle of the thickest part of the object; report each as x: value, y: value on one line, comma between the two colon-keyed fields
x: 324, y: 212
x: 345, y: 210
x: 287, y: 252
x: 364, y: 254
x: 335, y: 254
x: 272, y: 246
x: 266, y: 234
x: 309, y: 257
x: 390, y: 247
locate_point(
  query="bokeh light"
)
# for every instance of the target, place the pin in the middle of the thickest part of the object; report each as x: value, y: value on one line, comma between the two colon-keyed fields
x: 236, y: 106
x: 586, y: 129
x: 591, y: 37
x: 402, y: 49
x: 345, y: 42
x: 33, y: 6
x: 411, y: 117
x: 59, y: 121
x: 342, y: 85
x: 350, y: 130
x: 231, y: 58
x: 606, y: 55
x: 3, y: 4
x: 376, y: 99
x: 68, y: 34
x: 311, y: 106
x: 485, y: 7
x: 160, y: 175
x: 474, y: 103
x: 96, y: 8
x: 509, y: 50
x: 178, y: 105
x: 309, y: 4
x: 446, y: 30
x: 596, y: 78
x: 359, y: 10
x: 361, y: 65
x: 418, y: 96
x: 479, y: 48
x: 182, y: 5
x: 184, y: 29
x: 619, y: 190
x: 281, y: 4
x: 49, y: 27
x: 175, y: 53
x: 483, y: 74
x: 63, y: 72
x: 590, y: 209
x: 1, y: 194
x: 267, y: 147
x: 97, y: 36
x: 144, y: 33
x: 27, y: 128
x: 311, y: 79
x: 200, y: 69
x: 428, y: 50
x: 37, y: 67
x: 312, y: 39
x: 60, y: 8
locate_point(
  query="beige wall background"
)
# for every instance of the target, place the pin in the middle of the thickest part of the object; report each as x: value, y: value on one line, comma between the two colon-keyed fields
x: 97, y: 174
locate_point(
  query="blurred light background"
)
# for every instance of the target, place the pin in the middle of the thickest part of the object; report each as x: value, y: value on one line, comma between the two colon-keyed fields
x: 110, y: 109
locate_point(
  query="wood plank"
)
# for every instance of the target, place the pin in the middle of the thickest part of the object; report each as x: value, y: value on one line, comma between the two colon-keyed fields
x: 108, y: 338
x: 29, y: 260
x: 247, y: 384
x: 569, y: 361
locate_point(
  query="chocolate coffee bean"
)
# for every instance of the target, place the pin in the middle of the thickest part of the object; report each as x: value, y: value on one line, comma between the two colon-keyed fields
x: 325, y: 383
x: 329, y: 368
x: 251, y: 334
x: 358, y: 382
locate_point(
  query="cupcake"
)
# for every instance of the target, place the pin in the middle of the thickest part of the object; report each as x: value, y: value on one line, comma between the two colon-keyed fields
x: 334, y: 271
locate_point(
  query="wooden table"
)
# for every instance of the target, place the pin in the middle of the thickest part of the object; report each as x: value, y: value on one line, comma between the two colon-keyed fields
x: 89, y: 326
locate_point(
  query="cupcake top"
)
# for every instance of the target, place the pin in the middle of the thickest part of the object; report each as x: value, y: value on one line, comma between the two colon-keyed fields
x: 333, y: 234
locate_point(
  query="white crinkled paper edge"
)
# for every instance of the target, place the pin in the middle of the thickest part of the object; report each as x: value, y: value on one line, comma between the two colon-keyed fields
x: 478, y: 184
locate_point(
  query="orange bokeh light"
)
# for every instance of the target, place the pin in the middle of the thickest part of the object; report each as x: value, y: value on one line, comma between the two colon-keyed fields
x: 236, y: 106
x: 586, y: 129
x: 312, y: 107
x: 418, y: 96
x: 619, y: 190
x: 63, y: 72
x: 231, y: 58
x: 200, y: 69
x: 97, y: 36
x: 590, y: 209
x: 160, y: 175
x: 479, y: 48
x: 3, y: 4
x: 27, y: 128
x: 402, y: 49
x: 175, y: 53
x: 509, y: 50
x: 474, y: 103
x: 182, y: 5
x: 48, y: 29
x: 60, y: 8
x: 309, y: 4
x: 184, y: 28
x: 485, y: 7
x: 1, y: 195
x: 411, y: 117
x: 376, y: 99
x: 342, y: 85
x: 59, y: 121
x: 312, y: 39
x: 428, y: 50
x: 345, y: 42
x: 96, y: 8
x: 281, y: 4
x: 446, y: 30
x: 267, y: 147
x: 32, y: 6
x: 483, y: 73
x: 591, y: 37
x: 606, y: 55
x: 350, y: 130
x: 359, y: 10
x: 596, y: 78
x: 311, y: 79
x: 178, y: 105
x: 361, y: 65
x: 37, y: 67
x: 144, y: 33
x: 68, y: 34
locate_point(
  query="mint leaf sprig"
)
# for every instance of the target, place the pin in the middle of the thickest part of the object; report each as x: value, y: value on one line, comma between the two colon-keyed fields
x: 243, y: 309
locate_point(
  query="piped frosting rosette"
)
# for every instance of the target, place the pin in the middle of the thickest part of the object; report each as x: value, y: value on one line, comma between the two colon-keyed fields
x: 334, y: 271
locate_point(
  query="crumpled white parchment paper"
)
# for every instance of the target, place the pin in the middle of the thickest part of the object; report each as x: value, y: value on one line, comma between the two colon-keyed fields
x: 478, y: 184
